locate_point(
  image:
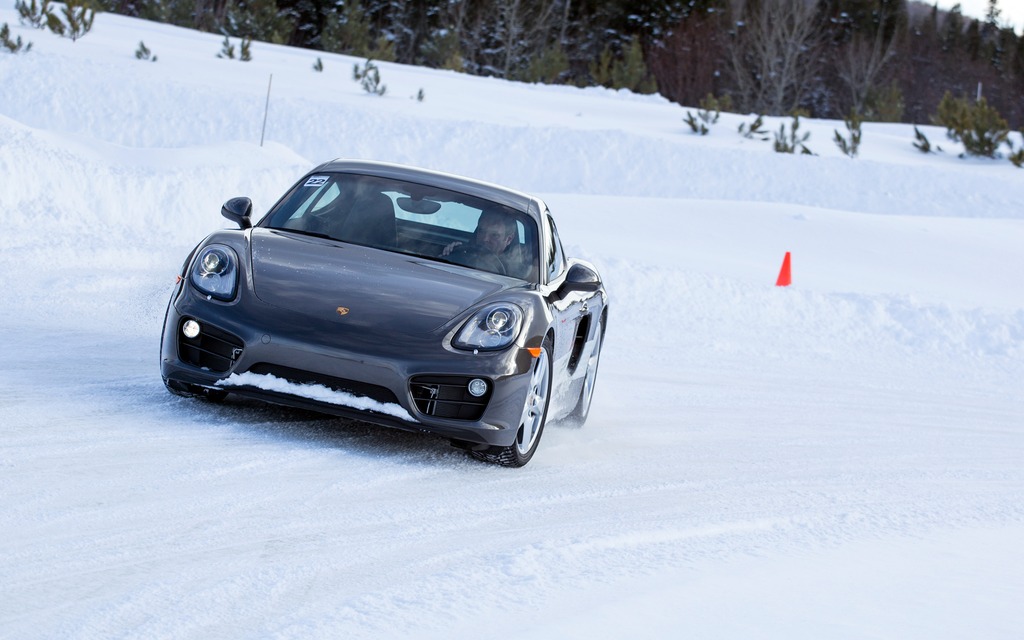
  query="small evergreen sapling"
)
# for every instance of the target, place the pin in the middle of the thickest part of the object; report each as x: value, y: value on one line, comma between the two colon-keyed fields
x: 1016, y: 157
x: 318, y: 66
x: 921, y: 142
x: 143, y: 52
x: 697, y: 127
x: 788, y: 143
x: 227, y: 50
x: 79, y: 19
x: 754, y: 130
x: 710, y: 110
x: 13, y: 46
x: 32, y: 14
x: 369, y: 77
x: 852, y: 146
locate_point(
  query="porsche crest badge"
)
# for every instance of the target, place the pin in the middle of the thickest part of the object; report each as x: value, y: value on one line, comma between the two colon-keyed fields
x: 342, y: 311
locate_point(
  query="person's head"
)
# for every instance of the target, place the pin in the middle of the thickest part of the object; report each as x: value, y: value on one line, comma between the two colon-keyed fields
x: 495, y: 230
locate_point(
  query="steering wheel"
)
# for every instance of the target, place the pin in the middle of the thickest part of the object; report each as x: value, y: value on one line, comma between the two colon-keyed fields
x: 478, y: 257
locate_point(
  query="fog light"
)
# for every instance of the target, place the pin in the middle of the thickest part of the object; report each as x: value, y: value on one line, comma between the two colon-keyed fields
x: 477, y: 387
x: 190, y: 328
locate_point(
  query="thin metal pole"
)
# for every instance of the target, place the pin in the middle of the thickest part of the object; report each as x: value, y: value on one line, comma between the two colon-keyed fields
x: 266, y: 108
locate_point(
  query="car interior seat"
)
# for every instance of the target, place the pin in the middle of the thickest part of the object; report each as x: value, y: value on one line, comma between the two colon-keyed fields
x: 371, y: 221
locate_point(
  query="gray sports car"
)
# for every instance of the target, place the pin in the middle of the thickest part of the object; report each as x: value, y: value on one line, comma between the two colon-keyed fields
x: 397, y: 296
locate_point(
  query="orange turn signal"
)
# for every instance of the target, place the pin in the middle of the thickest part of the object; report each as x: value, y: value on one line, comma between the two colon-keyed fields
x: 534, y: 351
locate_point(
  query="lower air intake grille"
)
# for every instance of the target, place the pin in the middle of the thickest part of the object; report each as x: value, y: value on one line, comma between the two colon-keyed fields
x: 212, y: 349
x: 448, y: 397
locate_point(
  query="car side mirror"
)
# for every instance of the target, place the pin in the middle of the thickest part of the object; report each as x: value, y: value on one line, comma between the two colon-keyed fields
x: 238, y: 211
x: 581, y: 278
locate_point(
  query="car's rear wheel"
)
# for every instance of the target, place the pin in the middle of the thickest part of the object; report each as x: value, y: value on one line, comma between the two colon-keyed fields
x: 534, y: 416
x: 578, y: 416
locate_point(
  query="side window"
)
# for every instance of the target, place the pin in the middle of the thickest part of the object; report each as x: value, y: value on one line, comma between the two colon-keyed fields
x: 555, y: 259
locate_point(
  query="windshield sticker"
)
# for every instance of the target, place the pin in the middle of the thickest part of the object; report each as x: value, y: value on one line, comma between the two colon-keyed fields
x: 316, y: 181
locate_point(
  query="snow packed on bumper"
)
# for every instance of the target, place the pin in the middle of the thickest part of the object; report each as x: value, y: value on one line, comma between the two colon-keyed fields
x: 317, y: 392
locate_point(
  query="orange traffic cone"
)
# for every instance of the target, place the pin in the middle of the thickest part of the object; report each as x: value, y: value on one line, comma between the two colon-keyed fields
x: 785, y: 278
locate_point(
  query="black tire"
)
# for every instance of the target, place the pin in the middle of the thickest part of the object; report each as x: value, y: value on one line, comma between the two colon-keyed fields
x: 534, y: 417
x: 578, y: 416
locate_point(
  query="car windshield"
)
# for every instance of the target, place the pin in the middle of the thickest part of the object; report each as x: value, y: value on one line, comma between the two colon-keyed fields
x: 414, y: 219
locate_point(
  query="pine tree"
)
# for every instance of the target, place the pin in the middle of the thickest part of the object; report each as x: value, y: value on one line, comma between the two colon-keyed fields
x: 979, y: 126
x: 442, y: 50
x: 1017, y: 62
x: 601, y: 68
x: 549, y: 67
x: 953, y: 31
x: 972, y: 43
x: 259, y: 20
x: 631, y: 73
x: 992, y: 16
x: 987, y: 131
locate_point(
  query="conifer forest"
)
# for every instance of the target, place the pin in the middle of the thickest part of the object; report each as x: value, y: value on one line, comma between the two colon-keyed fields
x: 881, y: 60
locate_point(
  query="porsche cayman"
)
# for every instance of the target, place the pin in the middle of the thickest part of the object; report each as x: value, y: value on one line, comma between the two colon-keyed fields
x: 397, y: 296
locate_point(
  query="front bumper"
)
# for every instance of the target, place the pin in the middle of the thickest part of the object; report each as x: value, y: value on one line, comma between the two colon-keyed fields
x: 250, y: 336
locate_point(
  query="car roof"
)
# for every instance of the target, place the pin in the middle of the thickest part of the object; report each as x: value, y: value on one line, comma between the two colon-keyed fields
x: 488, y: 191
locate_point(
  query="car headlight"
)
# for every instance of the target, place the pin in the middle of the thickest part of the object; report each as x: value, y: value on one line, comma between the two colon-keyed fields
x: 493, y: 327
x: 215, y: 271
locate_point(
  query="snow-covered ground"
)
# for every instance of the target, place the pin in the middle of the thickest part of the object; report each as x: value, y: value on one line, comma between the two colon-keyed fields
x: 842, y: 458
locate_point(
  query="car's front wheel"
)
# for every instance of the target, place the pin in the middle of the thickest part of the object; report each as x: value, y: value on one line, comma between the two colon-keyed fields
x: 534, y: 416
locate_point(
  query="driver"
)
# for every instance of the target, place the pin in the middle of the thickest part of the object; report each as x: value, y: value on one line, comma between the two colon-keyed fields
x: 494, y: 232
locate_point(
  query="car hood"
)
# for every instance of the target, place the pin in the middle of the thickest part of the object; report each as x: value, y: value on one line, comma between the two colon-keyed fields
x: 362, y: 287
